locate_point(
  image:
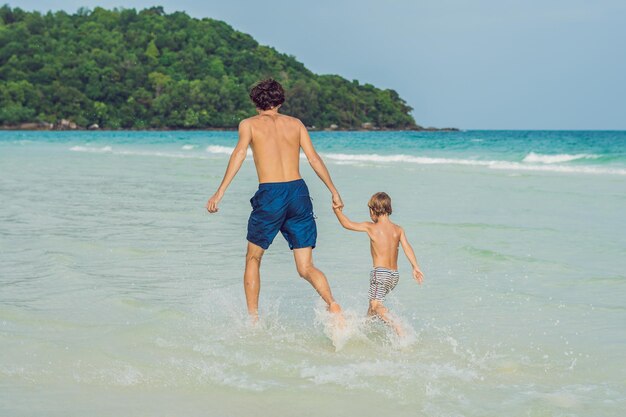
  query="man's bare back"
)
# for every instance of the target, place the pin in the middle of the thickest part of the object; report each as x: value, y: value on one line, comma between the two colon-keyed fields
x: 282, y: 202
x: 275, y: 144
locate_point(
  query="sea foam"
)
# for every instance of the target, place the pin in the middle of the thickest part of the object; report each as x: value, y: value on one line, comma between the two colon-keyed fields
x: 225, y: 150
x: 532, y: 161
x: 109, y: 149
x: 493, y: 164
x: 91, y: 149
x: 555, y: 159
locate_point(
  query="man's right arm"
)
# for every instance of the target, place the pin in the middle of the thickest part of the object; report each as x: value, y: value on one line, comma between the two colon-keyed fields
x: 234, y: 163
x: 318, y: 165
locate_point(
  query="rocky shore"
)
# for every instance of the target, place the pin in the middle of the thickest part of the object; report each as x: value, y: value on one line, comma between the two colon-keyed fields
x: 65, y: 124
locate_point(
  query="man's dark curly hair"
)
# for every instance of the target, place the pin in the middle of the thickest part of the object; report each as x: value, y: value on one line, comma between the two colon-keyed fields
x: 267, y: 94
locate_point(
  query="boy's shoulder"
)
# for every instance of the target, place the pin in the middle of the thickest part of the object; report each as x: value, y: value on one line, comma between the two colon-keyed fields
x: 398, y: 228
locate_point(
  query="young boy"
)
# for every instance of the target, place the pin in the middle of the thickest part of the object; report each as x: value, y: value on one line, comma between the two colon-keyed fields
x: 385, y: 237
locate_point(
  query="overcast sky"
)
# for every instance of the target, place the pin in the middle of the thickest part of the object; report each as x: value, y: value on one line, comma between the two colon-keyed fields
x: 491, y: 64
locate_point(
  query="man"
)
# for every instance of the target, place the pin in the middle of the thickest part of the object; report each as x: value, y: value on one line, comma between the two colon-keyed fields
x: 282, y: 202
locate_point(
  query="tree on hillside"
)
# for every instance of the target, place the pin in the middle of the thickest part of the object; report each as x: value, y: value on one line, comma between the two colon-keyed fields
x: 124, y: 68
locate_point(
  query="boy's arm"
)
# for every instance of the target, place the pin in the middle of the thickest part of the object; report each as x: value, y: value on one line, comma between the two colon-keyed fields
x: 318, y: 165
x: 408, y: 251
x: 349, y: 224
x: 236, y: 159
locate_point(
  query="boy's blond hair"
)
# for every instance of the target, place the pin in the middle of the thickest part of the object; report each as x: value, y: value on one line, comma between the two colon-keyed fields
x: 380, y: 204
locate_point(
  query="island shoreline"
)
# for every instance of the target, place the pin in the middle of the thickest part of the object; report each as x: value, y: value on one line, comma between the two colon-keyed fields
x: 35, y: 128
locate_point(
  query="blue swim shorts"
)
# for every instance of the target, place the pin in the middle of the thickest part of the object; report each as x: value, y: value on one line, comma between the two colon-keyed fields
x: 284, y: 206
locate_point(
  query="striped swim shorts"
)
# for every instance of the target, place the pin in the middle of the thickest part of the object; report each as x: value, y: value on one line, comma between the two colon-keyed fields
x: 382, y: 280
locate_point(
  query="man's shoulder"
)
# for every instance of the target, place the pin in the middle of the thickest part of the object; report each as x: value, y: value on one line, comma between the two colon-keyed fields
x: 247, y: 120
x: 257, y: 119
x: 291, y: 118
x: 292, y: 122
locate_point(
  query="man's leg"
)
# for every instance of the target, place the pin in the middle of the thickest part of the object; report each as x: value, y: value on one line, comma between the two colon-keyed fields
x: 252, y: 279
x: 306, y: 269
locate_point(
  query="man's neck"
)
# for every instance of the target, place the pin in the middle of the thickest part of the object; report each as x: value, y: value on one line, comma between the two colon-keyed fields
x: 268, y: 112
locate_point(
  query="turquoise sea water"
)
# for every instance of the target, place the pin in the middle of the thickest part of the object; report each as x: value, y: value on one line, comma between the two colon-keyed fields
x: 120, y: 295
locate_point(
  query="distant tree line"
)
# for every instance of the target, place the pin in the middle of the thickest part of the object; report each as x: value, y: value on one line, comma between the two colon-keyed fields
x: 131, y: 69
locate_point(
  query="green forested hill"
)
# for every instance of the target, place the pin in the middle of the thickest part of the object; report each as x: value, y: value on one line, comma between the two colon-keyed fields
x: 124, y: 68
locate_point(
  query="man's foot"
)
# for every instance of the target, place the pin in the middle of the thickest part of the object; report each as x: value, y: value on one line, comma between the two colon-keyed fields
x: 334, y: 307
x: 253, y: 317
x: 339, y: 320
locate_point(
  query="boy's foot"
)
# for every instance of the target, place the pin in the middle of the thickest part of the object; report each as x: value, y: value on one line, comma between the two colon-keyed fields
x: 399, y: 330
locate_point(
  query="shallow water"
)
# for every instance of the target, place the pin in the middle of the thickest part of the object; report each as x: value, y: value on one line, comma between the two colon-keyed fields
x: 119, y: 292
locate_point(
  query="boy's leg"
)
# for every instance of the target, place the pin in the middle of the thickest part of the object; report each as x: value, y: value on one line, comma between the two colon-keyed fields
x: 306, y: 269
x: 377, y: 308
x: 252, y: 279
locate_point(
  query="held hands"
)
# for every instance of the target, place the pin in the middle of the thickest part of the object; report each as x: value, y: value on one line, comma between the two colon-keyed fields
x: 337, y: 202
x: 211, y: 205
x: 418, y: 275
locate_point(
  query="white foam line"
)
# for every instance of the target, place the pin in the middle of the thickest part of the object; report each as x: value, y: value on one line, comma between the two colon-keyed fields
x: 558, y: 168
x: 109, y: 149
x: 404, y: 158
x: 346, y: 158
x: 91, y: 149
x: 225, y: 150
x: 558, y: 158
x: 341, y: 158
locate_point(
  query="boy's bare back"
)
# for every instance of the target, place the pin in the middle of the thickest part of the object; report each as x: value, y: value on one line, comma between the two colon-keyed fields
x: 275, y: 143
x: 384, y: 242
x: 385, y: 236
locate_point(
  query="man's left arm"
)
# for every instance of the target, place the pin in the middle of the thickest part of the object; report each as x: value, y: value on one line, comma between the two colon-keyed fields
x: 235, y: 162
x: 318, y: 166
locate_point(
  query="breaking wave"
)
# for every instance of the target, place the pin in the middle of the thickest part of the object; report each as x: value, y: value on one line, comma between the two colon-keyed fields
x: 531, y: 162
x: 558, y: 158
